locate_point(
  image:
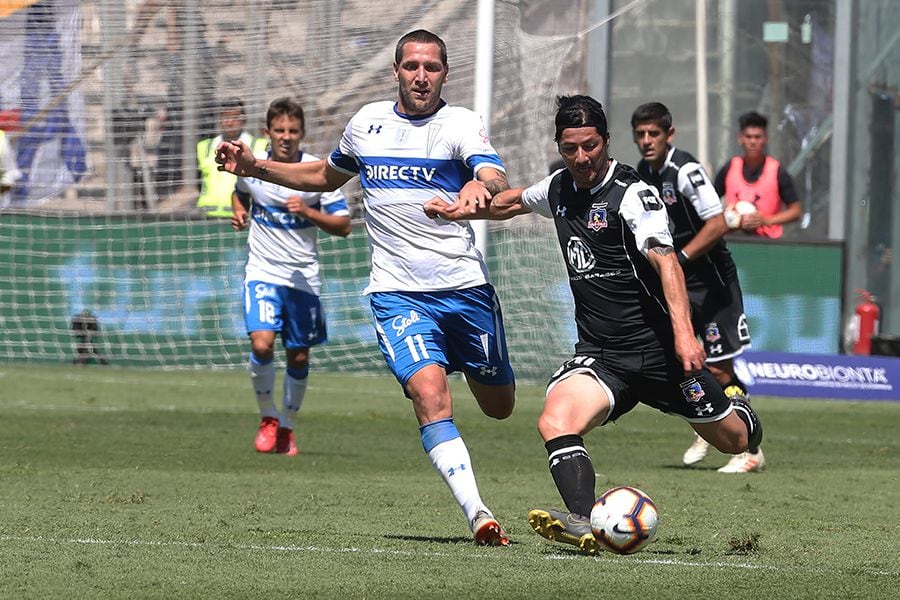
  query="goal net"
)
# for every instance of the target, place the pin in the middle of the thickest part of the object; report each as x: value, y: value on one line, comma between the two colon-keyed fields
x: 105, y: 102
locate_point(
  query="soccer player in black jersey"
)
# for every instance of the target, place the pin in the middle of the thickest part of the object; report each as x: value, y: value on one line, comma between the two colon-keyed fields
x: 698, y: 226
x: 635, y: 339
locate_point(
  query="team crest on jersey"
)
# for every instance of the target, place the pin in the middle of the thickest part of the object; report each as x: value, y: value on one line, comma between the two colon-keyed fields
x: 692, y: 390
x: 668, y: 193
x: 597, y: 217
x: 712, y: 332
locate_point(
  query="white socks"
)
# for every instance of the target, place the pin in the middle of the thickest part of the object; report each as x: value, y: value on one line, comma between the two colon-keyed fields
x: 451, y: 459
x: 294, y: 390
x: 263, y: 379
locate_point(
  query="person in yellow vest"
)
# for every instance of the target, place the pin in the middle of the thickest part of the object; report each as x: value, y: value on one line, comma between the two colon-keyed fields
x: 760, y: 180
x: 217, y: 186
x: 9, y: 172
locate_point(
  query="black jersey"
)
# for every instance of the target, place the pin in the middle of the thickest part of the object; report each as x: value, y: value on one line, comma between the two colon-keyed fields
x: 604, y: 234
x: 691, y: 200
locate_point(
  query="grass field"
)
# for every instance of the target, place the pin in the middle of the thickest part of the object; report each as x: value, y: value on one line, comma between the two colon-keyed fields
x: 144, y: 484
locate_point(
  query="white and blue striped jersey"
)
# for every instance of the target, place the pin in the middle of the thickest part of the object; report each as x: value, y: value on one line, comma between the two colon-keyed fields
x: 402, y: 162
x: 283, y: 246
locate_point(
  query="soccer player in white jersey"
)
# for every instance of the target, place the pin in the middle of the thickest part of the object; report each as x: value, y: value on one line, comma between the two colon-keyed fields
x: 433, y: 307
x: 281, y: 281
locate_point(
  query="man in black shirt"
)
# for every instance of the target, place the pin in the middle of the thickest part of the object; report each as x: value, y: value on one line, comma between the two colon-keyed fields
x: 635, y: 339
x: 698, y: 226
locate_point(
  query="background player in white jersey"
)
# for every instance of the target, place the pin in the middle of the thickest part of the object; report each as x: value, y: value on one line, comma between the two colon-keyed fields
x: 433, y: 307
x: 698, y: 228
x: 635, y: 340
x: 281, y: 281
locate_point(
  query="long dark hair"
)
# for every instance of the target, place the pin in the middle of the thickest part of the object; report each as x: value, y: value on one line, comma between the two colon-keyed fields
x: 580, y: 111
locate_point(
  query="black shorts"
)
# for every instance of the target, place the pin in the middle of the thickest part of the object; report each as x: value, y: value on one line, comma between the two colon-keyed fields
x: 717, y: 315
x: 652, y: 377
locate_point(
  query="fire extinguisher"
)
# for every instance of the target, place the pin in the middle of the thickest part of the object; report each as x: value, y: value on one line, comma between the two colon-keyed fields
x: 865, y: 318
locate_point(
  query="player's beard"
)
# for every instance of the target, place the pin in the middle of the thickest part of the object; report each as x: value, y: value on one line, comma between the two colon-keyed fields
x: 415, y: 106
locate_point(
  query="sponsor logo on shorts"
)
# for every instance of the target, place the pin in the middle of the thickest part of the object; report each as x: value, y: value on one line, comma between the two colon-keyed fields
x: 264, y: 290
x: 401, y: 322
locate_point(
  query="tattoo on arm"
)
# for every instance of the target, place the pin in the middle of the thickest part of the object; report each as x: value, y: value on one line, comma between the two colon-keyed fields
x: 662, y: 250
x: 496, y: 185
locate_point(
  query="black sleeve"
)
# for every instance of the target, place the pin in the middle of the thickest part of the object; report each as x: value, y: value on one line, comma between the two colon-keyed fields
x: 719, y: 183
x: 786, y: 188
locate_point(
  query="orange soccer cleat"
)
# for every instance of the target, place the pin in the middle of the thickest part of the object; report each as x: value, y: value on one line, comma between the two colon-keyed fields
x: 265, y: 437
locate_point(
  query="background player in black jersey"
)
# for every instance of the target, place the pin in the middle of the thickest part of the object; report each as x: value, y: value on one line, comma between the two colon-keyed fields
x: 635, y: 339
x: 698, y: 226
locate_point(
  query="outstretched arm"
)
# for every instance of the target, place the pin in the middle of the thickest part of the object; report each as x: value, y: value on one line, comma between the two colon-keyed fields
x: 504, y: 205
x: 478, y: 192
x: 314, y: 176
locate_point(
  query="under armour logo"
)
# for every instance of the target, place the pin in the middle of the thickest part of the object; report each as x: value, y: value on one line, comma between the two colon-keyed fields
x: 706, y: 408
x: 452, y: 470
x: 561, y: 211
x: 375, y: 128
x: 489, y: 371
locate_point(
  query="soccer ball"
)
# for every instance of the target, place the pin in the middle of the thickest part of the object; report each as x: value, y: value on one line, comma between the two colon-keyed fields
x: 624, y: 520
x: 735, y: 214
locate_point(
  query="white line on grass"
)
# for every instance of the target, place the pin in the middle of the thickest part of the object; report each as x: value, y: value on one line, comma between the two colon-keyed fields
x: 666, y: 562
x: 355, y: 550
x: 105, y: 408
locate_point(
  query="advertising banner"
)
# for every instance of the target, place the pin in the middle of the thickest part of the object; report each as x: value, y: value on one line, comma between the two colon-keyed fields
x: 820, y: 375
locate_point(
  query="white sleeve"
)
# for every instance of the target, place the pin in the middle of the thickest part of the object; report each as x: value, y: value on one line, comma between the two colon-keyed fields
x: 695, y: 185
x: 645, y: 215
x: 474, y: 145
x: 334, y: 203
x: 537, y: 197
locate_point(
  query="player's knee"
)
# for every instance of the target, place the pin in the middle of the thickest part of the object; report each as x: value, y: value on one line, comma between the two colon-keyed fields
x: 262, y: 350
x: 551, y: 425
x: 497, y: 403
x: 298, y: 360
x: 499, y: 410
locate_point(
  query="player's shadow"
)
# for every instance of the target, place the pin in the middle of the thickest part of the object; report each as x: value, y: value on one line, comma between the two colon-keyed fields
x: 431, y: 539
x: 688, y: 469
